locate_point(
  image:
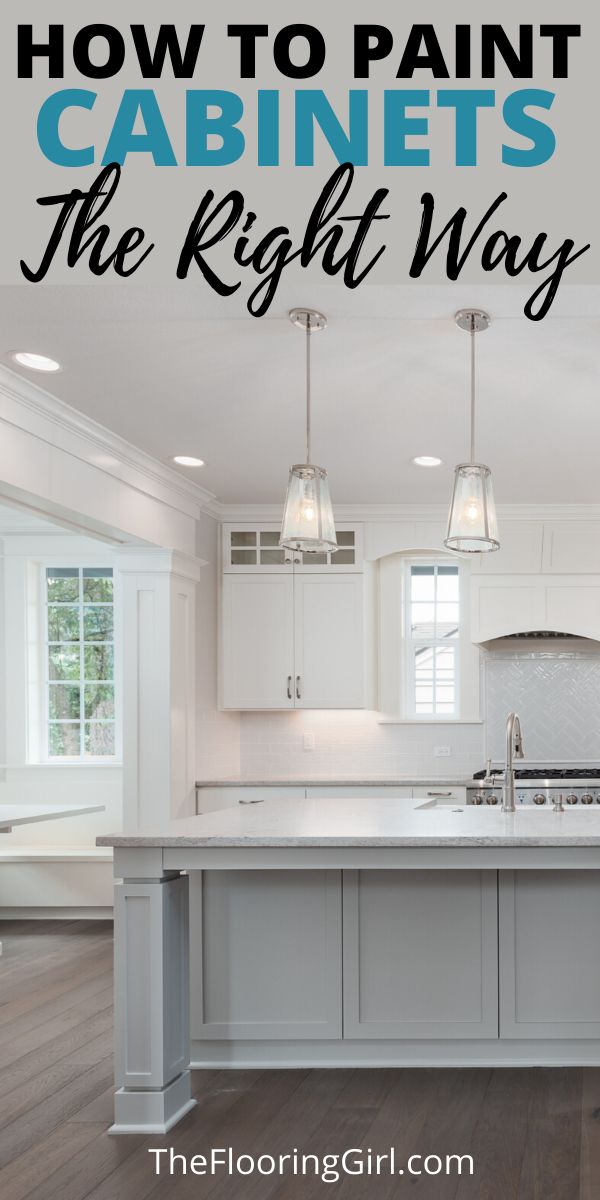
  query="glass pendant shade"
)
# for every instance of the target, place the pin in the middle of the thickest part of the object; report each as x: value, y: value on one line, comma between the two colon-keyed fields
x: 308, y: 523
x: 472, y: 525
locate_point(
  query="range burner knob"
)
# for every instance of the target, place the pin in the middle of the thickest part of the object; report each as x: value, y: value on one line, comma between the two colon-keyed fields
x: 477, y: 798
x: 539, y: 798
x: 491, y: 799
x: 587, y: 798
x: 571, y: 798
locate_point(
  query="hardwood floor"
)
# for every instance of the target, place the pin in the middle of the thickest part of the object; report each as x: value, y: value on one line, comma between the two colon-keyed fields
x: 533, y: 1134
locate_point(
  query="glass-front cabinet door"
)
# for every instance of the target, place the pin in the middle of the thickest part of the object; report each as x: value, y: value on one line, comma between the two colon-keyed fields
x: 249, y: 547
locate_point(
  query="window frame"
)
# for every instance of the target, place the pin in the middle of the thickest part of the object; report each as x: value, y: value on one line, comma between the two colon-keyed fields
x: 81, y: 760
x: 411, y: 644
x: 395, y: 706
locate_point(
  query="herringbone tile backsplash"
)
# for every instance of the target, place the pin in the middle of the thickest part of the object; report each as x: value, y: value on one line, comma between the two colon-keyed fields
x: 557, y: 697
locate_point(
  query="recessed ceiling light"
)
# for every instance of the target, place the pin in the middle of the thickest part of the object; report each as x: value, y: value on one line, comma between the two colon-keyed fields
x: 186, y: 460
x: 35, y: 362
x: 426, y: 460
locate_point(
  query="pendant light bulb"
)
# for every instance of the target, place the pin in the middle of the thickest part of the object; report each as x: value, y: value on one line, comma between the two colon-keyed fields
x: 308, y: 526
x: 472, y: 523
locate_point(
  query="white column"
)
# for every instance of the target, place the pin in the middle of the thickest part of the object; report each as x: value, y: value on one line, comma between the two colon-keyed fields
x: 157, y: 613
x: 152, y: 1031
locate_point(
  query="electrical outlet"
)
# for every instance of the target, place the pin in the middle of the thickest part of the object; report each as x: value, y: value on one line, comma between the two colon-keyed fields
x: 309, y: 741
x: 442, y: 751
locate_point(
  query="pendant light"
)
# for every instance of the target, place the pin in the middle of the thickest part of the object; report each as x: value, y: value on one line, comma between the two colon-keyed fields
x: 472, y: 525
x: 308, y: 524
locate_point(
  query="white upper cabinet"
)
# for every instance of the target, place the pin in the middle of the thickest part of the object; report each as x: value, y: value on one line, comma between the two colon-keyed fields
x: 329, y: 643
x: 251, y: 547
x: 257, y: 642
x: 292, y: 641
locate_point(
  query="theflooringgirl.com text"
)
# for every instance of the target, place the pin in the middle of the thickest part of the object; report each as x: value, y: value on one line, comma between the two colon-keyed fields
x: 329, y: 1168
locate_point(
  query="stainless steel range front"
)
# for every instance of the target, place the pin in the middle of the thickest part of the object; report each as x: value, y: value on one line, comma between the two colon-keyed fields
x: 538, y: 786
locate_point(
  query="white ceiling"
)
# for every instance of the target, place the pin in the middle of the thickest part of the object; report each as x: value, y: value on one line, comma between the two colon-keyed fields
x: 177, y: 371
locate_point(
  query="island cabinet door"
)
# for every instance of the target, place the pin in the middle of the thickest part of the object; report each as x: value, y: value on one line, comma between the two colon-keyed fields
x: 266, y: 954
x: 420, y: 954
x: 549, y: 954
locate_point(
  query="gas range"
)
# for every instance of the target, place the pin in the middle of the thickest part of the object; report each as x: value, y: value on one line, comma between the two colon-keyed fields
x: 539, y: 786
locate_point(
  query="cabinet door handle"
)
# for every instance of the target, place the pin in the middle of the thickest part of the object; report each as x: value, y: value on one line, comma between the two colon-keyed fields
x: 439, y: 793
x: 298, y: 689
x: 289, y: 687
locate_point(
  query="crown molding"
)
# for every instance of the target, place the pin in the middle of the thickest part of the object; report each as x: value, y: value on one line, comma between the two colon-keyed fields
x: 58, y: 424
x: 384, y: 513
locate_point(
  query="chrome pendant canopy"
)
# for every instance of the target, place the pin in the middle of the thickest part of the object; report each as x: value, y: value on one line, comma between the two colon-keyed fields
x: 308, y: 525
x: 472, y: 523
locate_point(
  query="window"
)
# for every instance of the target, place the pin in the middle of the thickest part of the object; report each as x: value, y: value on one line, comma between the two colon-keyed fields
x: 79, y: 655
x: 433, y: 616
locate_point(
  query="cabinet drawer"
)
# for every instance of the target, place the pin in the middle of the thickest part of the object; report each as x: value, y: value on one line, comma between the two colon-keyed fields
x: 358, y: 792
x: 213, y: 799
x: 438, y: 791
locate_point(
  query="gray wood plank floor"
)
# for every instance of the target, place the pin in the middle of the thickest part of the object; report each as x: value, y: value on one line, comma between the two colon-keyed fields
x: 534, y: 1134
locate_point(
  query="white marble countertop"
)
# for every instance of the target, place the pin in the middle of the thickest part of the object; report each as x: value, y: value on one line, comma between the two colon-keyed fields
x: 381, y: 823
x: 27, y: 814
x: 345, y: 781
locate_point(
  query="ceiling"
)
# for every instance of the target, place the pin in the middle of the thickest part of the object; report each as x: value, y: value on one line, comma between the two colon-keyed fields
x: 177, y: 371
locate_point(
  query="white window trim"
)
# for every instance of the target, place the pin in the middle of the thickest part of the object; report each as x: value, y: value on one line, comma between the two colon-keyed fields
x: 409, y: 645
x: 394, y: 646
x: 37, y: 675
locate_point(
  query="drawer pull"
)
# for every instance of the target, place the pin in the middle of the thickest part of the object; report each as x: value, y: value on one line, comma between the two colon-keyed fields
x: 440, y: 794
x: 259, y: 801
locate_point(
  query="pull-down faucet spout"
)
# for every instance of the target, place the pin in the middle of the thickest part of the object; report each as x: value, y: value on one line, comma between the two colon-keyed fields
x: 514, y: 749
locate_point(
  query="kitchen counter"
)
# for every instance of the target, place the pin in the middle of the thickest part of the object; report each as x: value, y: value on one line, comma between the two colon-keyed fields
x: 282, y: 823
x: 346, y: 781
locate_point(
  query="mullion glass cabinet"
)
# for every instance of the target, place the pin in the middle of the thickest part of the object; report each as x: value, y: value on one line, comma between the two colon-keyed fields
x: 248, y: 547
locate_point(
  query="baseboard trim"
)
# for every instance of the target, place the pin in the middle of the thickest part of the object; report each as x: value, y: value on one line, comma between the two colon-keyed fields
x: 66, y: 913
x: 486, y: 1053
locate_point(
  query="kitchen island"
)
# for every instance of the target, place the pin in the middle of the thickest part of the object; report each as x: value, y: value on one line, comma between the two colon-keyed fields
x: 437, y: 935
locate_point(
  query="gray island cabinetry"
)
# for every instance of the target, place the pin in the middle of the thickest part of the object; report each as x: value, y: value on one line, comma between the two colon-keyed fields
x: 350, y: 933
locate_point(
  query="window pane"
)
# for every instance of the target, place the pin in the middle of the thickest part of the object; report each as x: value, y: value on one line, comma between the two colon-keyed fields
x: 98, y: 585
x: 97, y: 623
x: 99, y: 661
x: 243, y: 539
x: 62, y: 583
x: 447, y: 586
x: 63, y: 623
x: 63, y: 701
x: 269, y: 537
x: 345, y: 538
x: 99, y: 701
x: 99, y: 739
x: 423, y: 621
x: 63, y: 740
x: 63, y: 662
x: 422, y: 583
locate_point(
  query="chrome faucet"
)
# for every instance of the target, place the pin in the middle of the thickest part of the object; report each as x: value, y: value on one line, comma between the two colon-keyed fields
x: 514, y: 749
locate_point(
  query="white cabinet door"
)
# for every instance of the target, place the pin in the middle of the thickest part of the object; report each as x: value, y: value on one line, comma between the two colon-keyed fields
x: 257, y: 640
x: 266, y: 954
x: 420, y: 954
x: 520, y: 550
x: 330, y: 643
x: 549, y: 954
